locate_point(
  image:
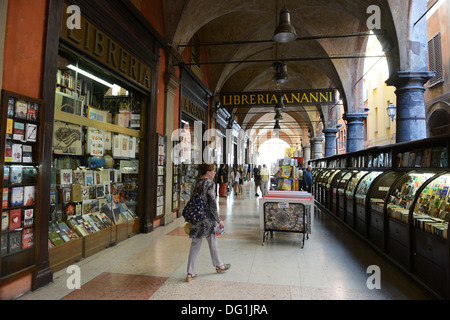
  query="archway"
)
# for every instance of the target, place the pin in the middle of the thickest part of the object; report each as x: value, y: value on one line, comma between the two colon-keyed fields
x: 270, y: 152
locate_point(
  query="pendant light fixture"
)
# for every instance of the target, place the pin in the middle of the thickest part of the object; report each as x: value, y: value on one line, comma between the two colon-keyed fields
x: 284, y: 32
x: 281, y: 76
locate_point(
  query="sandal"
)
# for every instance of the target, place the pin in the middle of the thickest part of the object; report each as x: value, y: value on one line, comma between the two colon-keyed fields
x: 190, y: 277
x: 223, y: 267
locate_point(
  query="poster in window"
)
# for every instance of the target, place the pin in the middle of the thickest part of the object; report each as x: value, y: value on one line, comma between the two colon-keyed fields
x: 67, y: 138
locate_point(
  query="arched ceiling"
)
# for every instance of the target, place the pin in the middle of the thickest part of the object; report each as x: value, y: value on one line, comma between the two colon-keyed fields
x: 236, y: 37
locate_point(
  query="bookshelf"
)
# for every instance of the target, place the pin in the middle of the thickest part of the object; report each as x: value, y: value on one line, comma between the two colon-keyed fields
x: 20, y: 140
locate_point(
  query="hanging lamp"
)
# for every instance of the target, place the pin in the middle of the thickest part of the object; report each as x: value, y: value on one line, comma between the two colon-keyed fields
x: 285, y: 32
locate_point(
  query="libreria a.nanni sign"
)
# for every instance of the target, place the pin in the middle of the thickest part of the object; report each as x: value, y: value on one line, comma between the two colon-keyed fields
x: 295, y: 97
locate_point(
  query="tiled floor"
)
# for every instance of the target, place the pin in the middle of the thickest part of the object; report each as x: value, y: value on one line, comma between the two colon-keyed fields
x: 332, y: 265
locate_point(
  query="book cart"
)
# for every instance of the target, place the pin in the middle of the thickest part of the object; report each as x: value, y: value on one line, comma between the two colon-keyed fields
x: 20, y: 138
x: 397, y: 198
x: 286, y: 211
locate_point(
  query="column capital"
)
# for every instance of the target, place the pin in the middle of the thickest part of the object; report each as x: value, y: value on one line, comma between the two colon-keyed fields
x: 330, y: 131
x: 354, y: 116
x: 400, y: 78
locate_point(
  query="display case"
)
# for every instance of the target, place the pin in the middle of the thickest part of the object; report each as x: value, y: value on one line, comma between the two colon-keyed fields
x: 361, y: 203
x: 376, y: 216
x: 328, y: 188
x: 431, y: 215
x: 334, y: 190
x: 341, y: 199
x: 398, y: 210
x: 20, y: 145
x: 349, y: 216
x: 322, y: 183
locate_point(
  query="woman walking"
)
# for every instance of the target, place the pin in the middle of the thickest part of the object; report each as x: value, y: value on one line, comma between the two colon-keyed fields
x: 207, y: 227
x: 223, y: 180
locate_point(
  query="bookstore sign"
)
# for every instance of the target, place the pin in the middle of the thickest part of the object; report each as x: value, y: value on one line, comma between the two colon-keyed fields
x: 96, y: 43
x: 291, y: 97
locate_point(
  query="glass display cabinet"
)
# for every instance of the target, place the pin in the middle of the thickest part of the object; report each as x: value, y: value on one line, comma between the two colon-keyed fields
x: 398, y: 208
x: 377, y: 206
x: 431, y: 215
x: 361, y: 193
x: 350, y: 197
x: 328, y: 187
x: 341, y: 193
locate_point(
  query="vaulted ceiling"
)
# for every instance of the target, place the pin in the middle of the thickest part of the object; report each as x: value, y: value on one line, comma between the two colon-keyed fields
x: 237, y: 50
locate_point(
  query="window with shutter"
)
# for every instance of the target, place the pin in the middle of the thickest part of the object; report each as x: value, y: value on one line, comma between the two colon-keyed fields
x: 435, y: 58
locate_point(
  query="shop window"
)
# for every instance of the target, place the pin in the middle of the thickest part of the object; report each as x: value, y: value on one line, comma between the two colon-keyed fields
x: 96, y: 144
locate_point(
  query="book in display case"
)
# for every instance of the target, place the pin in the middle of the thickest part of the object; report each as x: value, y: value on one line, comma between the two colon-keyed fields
x: 21, y: 118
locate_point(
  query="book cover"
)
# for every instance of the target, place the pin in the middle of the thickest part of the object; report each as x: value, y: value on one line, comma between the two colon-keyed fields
x: 69, y: 211
x: 28, y: 217
x: 5, y: 220
x: 15, y: 219
x: 32, y: 111
x: 16, y: 196
x: 27, y: 153
x: 78, y: 177
x: 9, y: 128
x: 31, y: 132
x: 11, y: 107
x: 53, y: 196
x: 5, y: 198
x: 27, y: 238
x: 84, y: 192
x: 15, y: 175
x: 29, y: 193
x: 8, y: 151
x: 21, y: 109
x: 55, y: 238
x: 89, y: 177
x: 19, y: 131
x: 16, y: 152
x: 5, y: 176
x: 76, y: 193
x: 15, y: 238
x: 65, y: 176
x: 29, y: 174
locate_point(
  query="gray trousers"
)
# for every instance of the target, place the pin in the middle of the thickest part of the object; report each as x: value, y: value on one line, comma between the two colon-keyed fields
x: 196, y: 244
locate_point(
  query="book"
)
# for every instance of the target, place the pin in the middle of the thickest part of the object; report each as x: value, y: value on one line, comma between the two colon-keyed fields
x: 65, y: 176
x: 89, y: 177
x: 27, y: 238
x: 84, y: 192
x: 27, y: 153
x: 78, y: 177
x: 28, y: 217
x: 8, y: 151
x: 15, y: 175
x: 15, y: 219
x: 14, y: 240
x: 21, y: 109
x: 19, y: 131
x: 76, y: 193
x: 32, y: 111
x: 16, y: 152
x: 29, y: 174
x: 31, y: 132
x: 69, y: 211
x: 55, y: 238
x: 53, y: 196
x: 5, y: 220
x: 11, y: 107
x: 16, y: 196
x: 29, y: 193
x: 5, y: 198
x: 9, y: 128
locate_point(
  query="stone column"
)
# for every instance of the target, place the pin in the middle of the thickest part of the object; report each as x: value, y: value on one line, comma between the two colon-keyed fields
x: 355, y: 130
x: 410, y: 117
x: 330, y: 141
x: 306, y: 155
x: 317, y: 147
